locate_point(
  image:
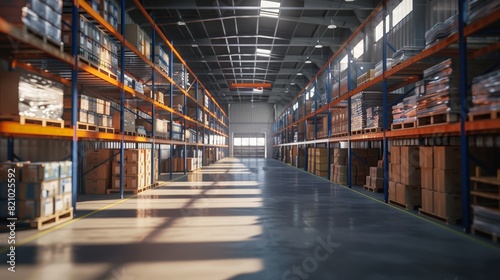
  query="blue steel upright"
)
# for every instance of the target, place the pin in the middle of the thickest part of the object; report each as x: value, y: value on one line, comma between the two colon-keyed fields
x: 171, y: 71
x: 122, y: 99
x: 464, y: 143
x: 74, y: 104
x: 385, y: 142
x: 329, y: 116
x: 152, y: 58
x: 349, y: 122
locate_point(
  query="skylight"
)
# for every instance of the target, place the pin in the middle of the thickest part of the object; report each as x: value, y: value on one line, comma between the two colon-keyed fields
x: 269, y: 8
x: 263, y: 52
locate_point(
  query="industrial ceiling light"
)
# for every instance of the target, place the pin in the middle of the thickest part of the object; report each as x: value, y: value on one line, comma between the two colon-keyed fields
x: 180, y: 23
x: 332, y: 26
x: 318, y: 45
x: 299, y: 74
x: 308, y: 61
x: 292, y: 83
x: 194, y: 45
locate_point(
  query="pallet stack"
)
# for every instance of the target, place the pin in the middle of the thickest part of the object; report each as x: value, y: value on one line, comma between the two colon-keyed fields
x: 339, y: 121
x: 375, y: 181
x: 361, y: 161
x: 441, y: 183
x: 93, y: 113
x: 405, y: 177
x: 133, y: 170
x: 485, y: 197
x: 98, y: 171
x: 321, y: 162
x: 43, y: 193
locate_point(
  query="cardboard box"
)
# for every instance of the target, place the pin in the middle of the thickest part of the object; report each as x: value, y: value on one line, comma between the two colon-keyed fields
x: 380, y: 164
x: 376, y: 172
x: 38, y: 172
x: 428, y: 200
x: 426, y: 157
x: 427, y: 180
x: 65, y: 169
x: 447, y: 205
x: 447, y: 181
x: 392, y: 190
x: 395, y: 172
x: 129, y: 168
x: 341, y: 170
x: 340, y: 152
x: 32, y: 209
x: 408, y: 195
x: 36, y: 191
x: 131, y: 155
x: 96, y: 157
x: 410, y: 175
x: 447, y: 157
x: 410, y: 156
x: 395, y: 154
x: 96, y: 186
x: 58, y: 204
x: 67, y: 201
x: 99, y: 172
x: 368, y: 181
x: 377, y: 183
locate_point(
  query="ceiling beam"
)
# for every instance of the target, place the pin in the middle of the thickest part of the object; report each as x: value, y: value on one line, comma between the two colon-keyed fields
x: 294, y: 42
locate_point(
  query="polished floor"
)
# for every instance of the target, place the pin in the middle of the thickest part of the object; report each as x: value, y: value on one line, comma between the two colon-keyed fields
x: 248, y: 219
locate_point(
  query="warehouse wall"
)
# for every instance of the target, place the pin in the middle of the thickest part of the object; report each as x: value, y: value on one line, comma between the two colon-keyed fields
x: 243, y: 118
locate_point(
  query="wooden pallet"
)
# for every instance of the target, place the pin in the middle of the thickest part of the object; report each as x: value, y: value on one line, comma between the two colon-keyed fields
x: 372, y: 189
x: 98, y: 68
x: 129, y: 190
x: 447, y: 220
x: 372, y: 130
x: 495, y: 237
x: 130, y: 133
x: 403, y: 125
x: 106, y: 129
x: 357, y: 132
x: 491, y: 115
x: 434, y: 119
x: 404, y: 206
x: 36, y: 121
x: 86, y: 126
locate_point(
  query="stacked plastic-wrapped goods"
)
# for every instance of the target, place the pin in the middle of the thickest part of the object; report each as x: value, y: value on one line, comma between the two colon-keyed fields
x: 441, y: 90
x: 180, y: 76
x: 405, y: 111
x: 441, y: 30
x: 375, y: 117
x: 405, y: 53
x: 486, y: 92
x: 363, y: 101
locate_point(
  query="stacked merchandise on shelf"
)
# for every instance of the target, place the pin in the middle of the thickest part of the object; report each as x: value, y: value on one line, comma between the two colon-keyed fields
x: 128, y: 120
x: 479, y: 9
x: 95, y: 46
x: 177, y: 132
x: 41, y: 17
x: 486, y: 93
x: 405, y: 176
x: 485, y: 186
x: 40, y: 190
x: 143, y: 123
x: 180, y: 75
x: 375, y: 181
x: 374, y: 117
x: 404, y: 54
x: 365, y: 77
x: 162, y: 59
x: 91, y: 110
x: 379, y: 67
x: 110, y: 11
x: 441, y: 30
x: 138, y: 38
x: 441, y: 182
x: 98, y: 171
x: 406, y: 110
x: 364, y: 100
x: 361, y: 161
x: 29, y: 95
x: 441, y: 90
x: 339, y: 121
x: 136, y: 170
x: 321, y: 161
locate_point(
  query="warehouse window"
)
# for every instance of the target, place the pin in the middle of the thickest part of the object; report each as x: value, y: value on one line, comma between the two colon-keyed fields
x: 343, y: 63
x: 296, y: 106
x: 401, y: 11
x: 272, y: 8
x: 379, y: 28
x: 359, y: 49
x: 237, y: 141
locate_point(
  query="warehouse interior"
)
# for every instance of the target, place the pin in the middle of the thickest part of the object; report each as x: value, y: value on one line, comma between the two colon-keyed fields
x: 249, y: 139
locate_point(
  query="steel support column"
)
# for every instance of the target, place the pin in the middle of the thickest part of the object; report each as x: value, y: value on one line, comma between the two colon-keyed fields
x: 153, y: 128
x: 122, y: 98
x: 74, y: 104
x: 349, y: 122
x: 385, y: 142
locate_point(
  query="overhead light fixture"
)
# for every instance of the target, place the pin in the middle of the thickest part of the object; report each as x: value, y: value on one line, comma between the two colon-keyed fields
x: 194, y: 45
x: 292, y: 83
x: 180, y: 22
x: 332, y: 26
x: 318, y: 45
x: 299, y: 74
x: 308, y: 61
x: 263, y: 52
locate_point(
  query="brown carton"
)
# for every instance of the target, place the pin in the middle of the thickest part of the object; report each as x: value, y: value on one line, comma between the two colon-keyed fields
x: 392, y: 190
x: 410, y: 175
x: 395, y: 154
x: 395, y: 172
x: 427, y: 178
x: 428, y: 200
x: 447, y: 205
x: 447, y: 157
x: 426, y: 157
x: 96, y: 186
x: 99, y: 172
x: 447, y: 181
x: 410, y: 156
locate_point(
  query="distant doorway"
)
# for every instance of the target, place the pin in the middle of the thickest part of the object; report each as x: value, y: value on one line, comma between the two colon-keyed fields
x: 251, y: 145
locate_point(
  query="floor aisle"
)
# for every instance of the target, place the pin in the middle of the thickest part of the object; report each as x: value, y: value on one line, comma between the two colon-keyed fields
x: 249, y: 219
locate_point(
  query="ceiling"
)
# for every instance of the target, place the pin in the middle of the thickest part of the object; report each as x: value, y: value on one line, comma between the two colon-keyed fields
x: 219, y: 41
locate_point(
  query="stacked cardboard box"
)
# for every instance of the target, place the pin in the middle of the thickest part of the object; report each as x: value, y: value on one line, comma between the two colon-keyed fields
x: 339, y: 121
x: 41, y: 189
x: 321, y: 162
x: 375, y: 181
x: 98, y: 171
x: 405, y: 176
x: 441, y: 181
x: 134, y: 169
x: 361, y: 160
x: 110, y: 11
x: 91, y: 110
x: 192, y: 163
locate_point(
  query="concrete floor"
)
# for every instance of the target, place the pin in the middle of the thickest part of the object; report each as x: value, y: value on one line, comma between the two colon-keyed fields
x: 248, y: 219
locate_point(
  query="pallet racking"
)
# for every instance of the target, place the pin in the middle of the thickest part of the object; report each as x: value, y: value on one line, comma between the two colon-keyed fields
x: 399, y: 77
x: 32, y: 53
